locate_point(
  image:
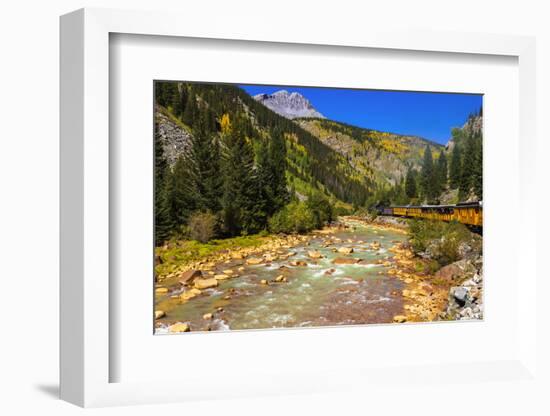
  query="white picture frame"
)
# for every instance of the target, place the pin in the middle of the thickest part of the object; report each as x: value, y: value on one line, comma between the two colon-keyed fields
x: 86, y: 356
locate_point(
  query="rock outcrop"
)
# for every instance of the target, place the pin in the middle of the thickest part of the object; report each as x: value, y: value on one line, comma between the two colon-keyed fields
x: 289, y: 105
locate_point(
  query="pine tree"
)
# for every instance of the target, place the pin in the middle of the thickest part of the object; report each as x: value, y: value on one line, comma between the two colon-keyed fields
x: 477, y: 169
x: 205, y: 160
x: 264, y: 181
x: 239, y: 190
x: 163, y: 223
x: 427, y: 176
x: 468, y: 166
x: 277, y: 158
x: 175, y: 99
x: 441, y: 172
x: 191, y: 111
x: 180, y: 191
x: 455, y: 168
x: 410, y: 184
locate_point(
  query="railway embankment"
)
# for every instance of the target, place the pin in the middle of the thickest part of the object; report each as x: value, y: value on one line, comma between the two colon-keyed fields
x: 459, y: 254
x: 455, y: 258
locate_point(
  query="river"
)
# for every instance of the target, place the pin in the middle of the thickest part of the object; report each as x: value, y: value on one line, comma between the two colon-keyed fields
x: 319, y: 294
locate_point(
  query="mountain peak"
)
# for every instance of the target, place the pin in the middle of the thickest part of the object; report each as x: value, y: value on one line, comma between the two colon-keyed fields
x: 289, y: 105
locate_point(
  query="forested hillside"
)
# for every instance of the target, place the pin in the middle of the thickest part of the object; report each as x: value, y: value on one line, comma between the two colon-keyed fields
x: 227, y: 165
x: 450, y: 175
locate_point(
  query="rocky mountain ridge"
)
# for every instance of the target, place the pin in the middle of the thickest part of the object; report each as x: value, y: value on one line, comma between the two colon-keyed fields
x: 290, y: 105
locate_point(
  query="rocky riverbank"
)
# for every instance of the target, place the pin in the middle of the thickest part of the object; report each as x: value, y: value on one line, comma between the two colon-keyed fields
x: 352, y: 272
x: 451, y: 292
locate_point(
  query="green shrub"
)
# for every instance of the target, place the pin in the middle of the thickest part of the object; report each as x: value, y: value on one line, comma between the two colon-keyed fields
x: 295, y: 217
x: 442, y: 239
x: 321, y: 208
x: 202, y: 226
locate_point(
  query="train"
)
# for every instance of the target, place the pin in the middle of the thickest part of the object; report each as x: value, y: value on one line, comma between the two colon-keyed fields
x: 468, y: 213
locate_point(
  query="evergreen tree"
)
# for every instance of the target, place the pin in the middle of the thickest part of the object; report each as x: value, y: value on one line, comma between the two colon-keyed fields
x: 410, y: 184
x: 265, y: 194
x: 239, y: 190
x: 277, y: 161
x: 477, y: 169
x: 163, y: 223
x: 175, y: 100
x: 180, y: 192
x: 455, y: 168
x: 205, y: 160
x: 427, y: 176
x: 468, y: 166
x: 191, y: 111
x: 441, y: 172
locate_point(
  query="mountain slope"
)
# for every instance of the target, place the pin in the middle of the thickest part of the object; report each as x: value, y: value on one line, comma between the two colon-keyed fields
x: 384, y: 157
x: 289, y: 105
x: 311, y: 163
x: 345, y: 162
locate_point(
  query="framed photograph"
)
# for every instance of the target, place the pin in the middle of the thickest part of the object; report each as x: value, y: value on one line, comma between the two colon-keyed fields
x: 257, y: 206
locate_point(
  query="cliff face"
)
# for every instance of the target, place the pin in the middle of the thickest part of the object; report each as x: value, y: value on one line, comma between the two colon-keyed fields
x: 474, y: 125
x: 173, y: 135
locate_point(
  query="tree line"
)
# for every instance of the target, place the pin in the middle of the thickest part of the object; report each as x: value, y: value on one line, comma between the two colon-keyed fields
x: 462, y: 170
x: 232, y: 180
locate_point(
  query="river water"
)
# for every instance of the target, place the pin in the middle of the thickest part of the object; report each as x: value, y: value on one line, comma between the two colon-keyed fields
x: 319, y: 294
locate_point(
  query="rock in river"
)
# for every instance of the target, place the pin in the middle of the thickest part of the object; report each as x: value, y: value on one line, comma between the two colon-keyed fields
x: 314, y: 254
x: 254, y: 260
x: 345, y: 250
x: 205, y: 283
x: 179, y: 327
x: 345, y: 260
x: 399, y: 319
x: 159, y: 314
x: 207, y: 316
x: 187, y: 277
x: 222, y: 276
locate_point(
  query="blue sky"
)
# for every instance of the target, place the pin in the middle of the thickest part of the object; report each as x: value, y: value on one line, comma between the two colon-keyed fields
x: 425, y: 114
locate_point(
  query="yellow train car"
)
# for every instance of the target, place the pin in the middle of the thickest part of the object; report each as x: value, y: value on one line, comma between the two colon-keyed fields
x: 469, y: 213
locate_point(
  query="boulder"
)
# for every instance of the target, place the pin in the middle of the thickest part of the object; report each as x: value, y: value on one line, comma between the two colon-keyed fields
x: 264, y: 282
x: 207, y: 316
x: 222, y: 276
x: 279, y: 278
x: 270, y: 257
x: 399, y: 319
x: 190, y: 294
x: 314, y: 254
x: 345, y: 250
x: 179, y: 327
x: 456, y: 270
x: 460, y: 294
x: 298, y: 263
x: 161, y: 290
x: 160, y: 314
x: 205, y: 283
x: 345, y: 260
x: 254, y: 260
x: 187, y: 277
x: 229, y: 272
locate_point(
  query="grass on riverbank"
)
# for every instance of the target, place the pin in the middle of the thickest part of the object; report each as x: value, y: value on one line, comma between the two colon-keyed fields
x: 176, y: 253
